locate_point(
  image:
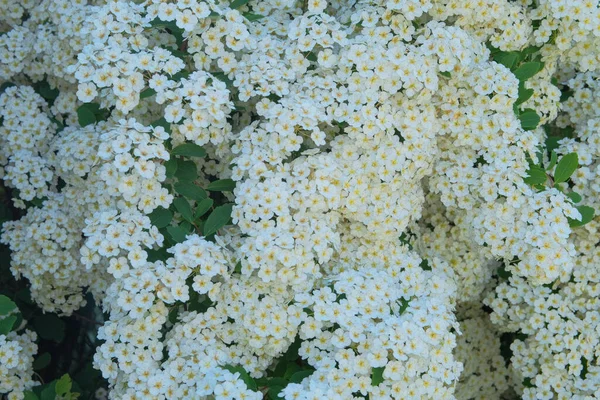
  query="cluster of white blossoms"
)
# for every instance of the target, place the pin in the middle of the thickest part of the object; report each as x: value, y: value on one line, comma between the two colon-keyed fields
x: 17, y: 351
x: 381, y: 154
x: 560, y: 321
x: 25, y: 133
x: 478, y: 347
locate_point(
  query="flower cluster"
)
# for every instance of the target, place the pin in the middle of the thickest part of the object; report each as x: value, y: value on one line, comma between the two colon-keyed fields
x: 485, y: 374
x: 377, y: 166
x: 24, y: 137
x: 16, y: 359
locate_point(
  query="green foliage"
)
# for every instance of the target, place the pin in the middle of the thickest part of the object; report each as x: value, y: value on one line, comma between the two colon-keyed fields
x: 252, y: 17
x: 587, y: 214
x: 553, y: 160
x: 42, y: 361
x: 7, y: 324
x: 222, y: 185
x: 528, y: 70
x: 6, y: 305
x: 203, y: 207
x: 183, y: 207
x: 574, y: 196
x: 377, y: 376
x: 536, y: 175
x: 161, y: 217
x: 171, y: 168
x: 565, y: 167
x: 529, y: 119
x: 238, y: 3
x: 29, y: 395
x: 190, y: 191
x: 148, y: 92
x: 524, y: 94
x: 59, y: 389
x: 50, y: 327
x: 186, y: 170
x: 217, y: 219
x: 403, y: 305
x: 508, y: 59
x: 49, y: 94
x: 299, y: 376
x: 63, y: 385
x: 85, y: 116
x: 177, y: 233
x: 189, y: 150
x: 90, y: 113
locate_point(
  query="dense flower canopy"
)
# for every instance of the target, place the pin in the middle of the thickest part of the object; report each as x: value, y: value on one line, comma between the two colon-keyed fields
x: 309, y: 199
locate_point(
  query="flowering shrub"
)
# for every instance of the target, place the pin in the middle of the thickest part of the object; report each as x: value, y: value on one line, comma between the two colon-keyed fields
x: 296, y: 199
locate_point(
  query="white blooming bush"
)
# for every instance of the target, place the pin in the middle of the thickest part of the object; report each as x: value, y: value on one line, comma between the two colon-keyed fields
x: 300, y: 199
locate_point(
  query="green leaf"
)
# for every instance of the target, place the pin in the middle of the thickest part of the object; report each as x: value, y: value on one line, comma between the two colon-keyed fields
x: 49, y: 392
x: 292, y: 352
x: 274, y: 391
x: 447, y: 74
x: 170, y: 167
x: 527, y: 70
x: 29, y: 395
x: 503, y: 272
x: 7, y: 324
x: 508, y: 59
x: 222, y: 185
x: 203, y: 207
x: 529, y: 119
x: 535, y: 175
x: 574, y: 196
x: 403, y: 305
x: 587, y: 214
x: 297, y: 377
x: 524, y: 94
x: 189, y: 150
x: 190, y: 190
x: 217, y: 219
x: 63, y: 385
x: 177, y: 233
x: 252, y: 17
x: 181, y: 74
x: 565, y: 167
x: 161, y: 217
x: 277, y: 382
x: 42, y: 361
x: 184, y: 208
x: 50, y: 327
x: 148, y: 92
x: 564, y: 96
x: 243, y: 375
x: 377, y: 376
x: 553, y: 159
x: 584, y: 370
x: 46, y: 92
x: 530, y: 50
x: 186, y: 170
x: 238, y: 3
x: 6, y: 305
x: 85, y: 115
x: 552, y: 144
